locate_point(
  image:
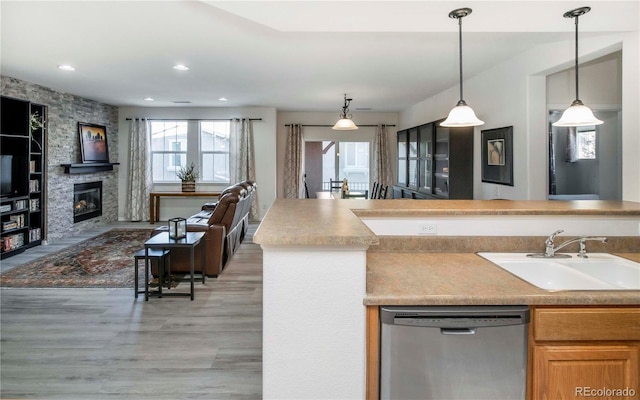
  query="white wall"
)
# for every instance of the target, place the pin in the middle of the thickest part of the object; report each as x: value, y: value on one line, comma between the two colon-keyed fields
x: 326, y: 133
x: 313, y: 326
x: 514, y: 93
x: 264, y: 135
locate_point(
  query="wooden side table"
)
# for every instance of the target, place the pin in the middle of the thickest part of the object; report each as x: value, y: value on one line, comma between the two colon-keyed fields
x: 161, y: 241
x: 154, y: 201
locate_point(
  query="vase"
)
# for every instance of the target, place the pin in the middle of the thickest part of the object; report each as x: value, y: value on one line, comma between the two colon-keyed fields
x: 188, y: 186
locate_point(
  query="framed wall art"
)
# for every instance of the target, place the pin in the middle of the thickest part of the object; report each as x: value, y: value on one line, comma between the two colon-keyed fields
x: 93, y: 143
x: 497, y: 155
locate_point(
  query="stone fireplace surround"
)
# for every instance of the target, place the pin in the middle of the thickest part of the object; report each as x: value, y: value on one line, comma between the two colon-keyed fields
x: 64, y: 111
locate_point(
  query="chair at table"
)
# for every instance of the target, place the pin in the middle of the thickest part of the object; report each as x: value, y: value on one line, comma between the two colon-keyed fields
x: 374, y: 191
x: 382, y: 192
x: 335, y: 186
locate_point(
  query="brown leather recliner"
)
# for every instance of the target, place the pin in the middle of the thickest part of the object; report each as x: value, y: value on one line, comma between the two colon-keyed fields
x: 216, y: 225
x: 225, y: 223
x: 250, y: 188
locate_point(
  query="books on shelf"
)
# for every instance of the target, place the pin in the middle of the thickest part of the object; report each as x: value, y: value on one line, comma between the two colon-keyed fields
x: 18, y: 218
x: 14, y: 222
x: 21, y: 204
x: 5, y: 208
x: 9, y: 225
x: 35, y: 205
x: 34, y: 234
x: 12, y: 242
x: 34, y: 185
x: 32, y: 166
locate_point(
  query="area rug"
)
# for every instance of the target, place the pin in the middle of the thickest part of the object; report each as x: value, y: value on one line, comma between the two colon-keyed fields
x: 105, y: 261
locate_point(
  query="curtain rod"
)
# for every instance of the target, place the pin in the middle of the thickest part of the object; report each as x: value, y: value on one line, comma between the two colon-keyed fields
x: 328, y: 126
x: 194, y: 119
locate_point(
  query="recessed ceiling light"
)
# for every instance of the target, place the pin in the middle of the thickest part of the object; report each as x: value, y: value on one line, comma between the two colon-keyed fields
x: 66, y: 67
x: 181, y: 67
x: 223, y: 99
x: 149, y: 99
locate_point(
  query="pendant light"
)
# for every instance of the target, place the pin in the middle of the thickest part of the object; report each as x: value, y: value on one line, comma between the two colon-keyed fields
x: 461, y: 114
x: 577, y: 114
x: 345, y: 123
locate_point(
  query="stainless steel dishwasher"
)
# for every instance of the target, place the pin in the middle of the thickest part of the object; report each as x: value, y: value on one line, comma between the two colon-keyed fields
x: 453, y: 352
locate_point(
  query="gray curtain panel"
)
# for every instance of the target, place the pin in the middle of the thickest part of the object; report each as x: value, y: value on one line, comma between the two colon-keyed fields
x: 242, y: 158
x: 139, y: 183
x: 571, y: 153
x: 293, y: 163
x: 381, y: 161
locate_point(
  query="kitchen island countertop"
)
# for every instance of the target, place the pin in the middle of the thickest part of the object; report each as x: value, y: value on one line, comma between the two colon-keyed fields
x: 468, y: 279
x: 309, y: 222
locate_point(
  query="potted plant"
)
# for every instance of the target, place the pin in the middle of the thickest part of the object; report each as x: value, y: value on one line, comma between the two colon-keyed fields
x: 35, y: 122
x: 188, y: 176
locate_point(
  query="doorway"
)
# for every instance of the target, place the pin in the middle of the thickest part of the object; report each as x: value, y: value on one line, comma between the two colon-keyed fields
x: 327, y: 161
x: 585, y: 163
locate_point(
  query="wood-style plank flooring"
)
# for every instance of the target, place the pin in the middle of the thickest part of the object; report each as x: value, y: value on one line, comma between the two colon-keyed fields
x: 104, y: 344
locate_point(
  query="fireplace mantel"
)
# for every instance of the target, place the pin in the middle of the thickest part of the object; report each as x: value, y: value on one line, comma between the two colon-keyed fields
x: 87, y: 168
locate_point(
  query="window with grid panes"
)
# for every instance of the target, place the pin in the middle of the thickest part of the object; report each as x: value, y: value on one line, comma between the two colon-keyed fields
x: 175, y: 144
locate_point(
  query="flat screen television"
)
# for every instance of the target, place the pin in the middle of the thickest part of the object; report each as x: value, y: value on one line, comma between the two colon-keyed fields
x: 14, y: 179
x: 6, y: 185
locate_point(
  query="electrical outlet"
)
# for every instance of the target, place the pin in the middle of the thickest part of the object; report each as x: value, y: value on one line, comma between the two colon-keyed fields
x: 427, y: 228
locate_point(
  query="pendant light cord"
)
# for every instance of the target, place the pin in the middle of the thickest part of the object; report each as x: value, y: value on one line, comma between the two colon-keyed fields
x: 460, y: 54
x: 577, y: 97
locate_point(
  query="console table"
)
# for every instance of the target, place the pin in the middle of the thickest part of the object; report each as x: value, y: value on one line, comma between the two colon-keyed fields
x: 154, y: 201
x: 162, y: 241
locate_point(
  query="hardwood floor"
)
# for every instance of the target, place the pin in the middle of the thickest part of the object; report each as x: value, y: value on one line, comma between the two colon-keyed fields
x: 104, y: 344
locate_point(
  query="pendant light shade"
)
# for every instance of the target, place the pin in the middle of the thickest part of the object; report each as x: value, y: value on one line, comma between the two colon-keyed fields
x: 345, y: 123
x: 461, y: 114
x: 577, y: 114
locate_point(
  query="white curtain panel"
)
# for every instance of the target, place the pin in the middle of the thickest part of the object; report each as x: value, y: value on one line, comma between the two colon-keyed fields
x: 139, y: 182
x: 381, y: 160
x: 293, y: 164
x: 242, y: 158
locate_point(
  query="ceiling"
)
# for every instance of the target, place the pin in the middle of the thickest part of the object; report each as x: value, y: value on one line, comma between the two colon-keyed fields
x: 292, y: 55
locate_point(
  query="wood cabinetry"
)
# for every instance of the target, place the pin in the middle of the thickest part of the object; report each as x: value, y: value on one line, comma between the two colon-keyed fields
x: 585, y: 352
x: 23, y: 171
x: 435, y: 162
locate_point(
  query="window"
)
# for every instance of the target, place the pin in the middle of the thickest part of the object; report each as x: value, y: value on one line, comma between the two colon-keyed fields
x: 345, y: 160
x: 168, y: 149
x: 175, y: 144
x: 214, y: 148
x: 587, y: 145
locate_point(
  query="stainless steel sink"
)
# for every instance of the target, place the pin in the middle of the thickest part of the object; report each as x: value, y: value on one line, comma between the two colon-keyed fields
x: 601, y: 271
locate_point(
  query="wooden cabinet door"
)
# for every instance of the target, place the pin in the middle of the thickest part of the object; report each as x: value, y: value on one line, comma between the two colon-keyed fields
x: 580, y: 371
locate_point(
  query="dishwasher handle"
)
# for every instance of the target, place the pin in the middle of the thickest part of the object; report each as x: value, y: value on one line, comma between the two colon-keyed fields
x: 457, y: 331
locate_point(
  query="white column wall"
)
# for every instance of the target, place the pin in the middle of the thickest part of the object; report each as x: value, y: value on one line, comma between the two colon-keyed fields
x: 631, y: 117
x: 314, y: 325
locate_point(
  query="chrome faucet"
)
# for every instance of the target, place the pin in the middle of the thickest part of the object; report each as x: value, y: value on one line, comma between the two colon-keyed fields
x: 550, y: 250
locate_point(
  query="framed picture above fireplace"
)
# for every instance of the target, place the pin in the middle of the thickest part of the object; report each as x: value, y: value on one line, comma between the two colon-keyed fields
x: 93, y: 143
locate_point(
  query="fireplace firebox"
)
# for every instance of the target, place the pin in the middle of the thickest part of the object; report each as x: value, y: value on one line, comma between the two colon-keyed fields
x: 87, y: 201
